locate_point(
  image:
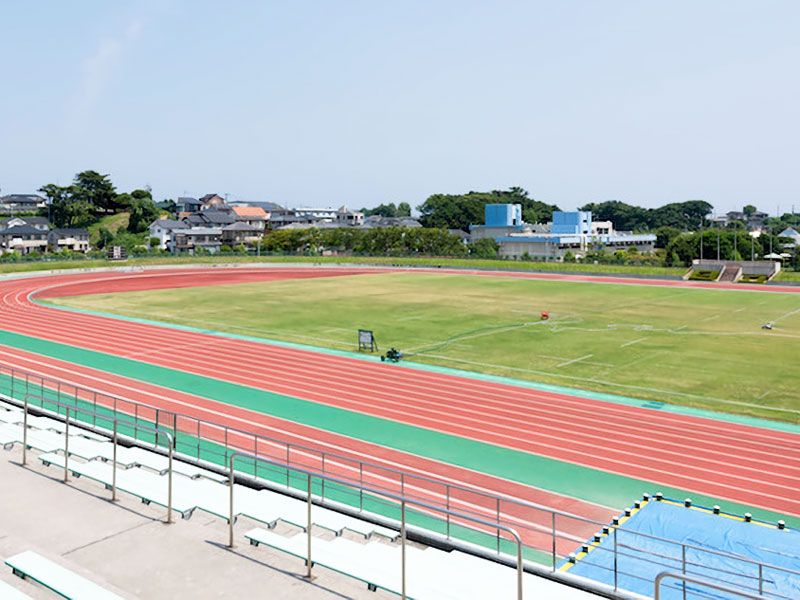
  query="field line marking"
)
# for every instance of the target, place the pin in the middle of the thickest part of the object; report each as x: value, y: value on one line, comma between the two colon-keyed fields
x: 711, y: 318
x: 574, y: 360
x: 633, y: 342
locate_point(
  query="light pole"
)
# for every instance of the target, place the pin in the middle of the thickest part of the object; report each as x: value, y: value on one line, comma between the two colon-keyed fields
x: 717, y: 242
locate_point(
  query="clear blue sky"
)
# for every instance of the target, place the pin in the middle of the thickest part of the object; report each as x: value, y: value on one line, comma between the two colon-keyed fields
x: 337, y: 102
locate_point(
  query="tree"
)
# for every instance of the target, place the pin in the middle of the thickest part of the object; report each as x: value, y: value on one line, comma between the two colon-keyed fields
x: 404, y: 209
x: 143, y: 212
x: 665, y: 234
x: 66, y: 207
x: 484, y: 248
x: 749, y: 210
x: 382, y: 210
x: 97, y: 191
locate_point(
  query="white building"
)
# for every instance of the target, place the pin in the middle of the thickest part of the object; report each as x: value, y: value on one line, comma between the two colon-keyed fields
x: 163, y: 230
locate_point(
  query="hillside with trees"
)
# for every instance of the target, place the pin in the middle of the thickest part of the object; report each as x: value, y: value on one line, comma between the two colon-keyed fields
x: 92, y: 198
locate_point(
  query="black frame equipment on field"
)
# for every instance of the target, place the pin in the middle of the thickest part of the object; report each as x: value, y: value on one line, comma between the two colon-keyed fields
x: 366, y: 340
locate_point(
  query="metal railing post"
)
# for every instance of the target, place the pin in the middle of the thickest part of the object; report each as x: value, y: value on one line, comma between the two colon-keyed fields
x: 308, y: 529
x: 169, y: 480
x: 66, y: 447
x: 554, y: 542
x: 683, y: 567
x: 25, y: 433
x: 761, y: 578
x: 114, y: 466
x: 615, y: 560
x: 230, y: 514
x: 403, y: 548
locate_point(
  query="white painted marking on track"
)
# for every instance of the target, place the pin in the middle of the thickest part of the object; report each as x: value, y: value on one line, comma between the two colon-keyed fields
x: 574, y: 360
x: 633, y: 342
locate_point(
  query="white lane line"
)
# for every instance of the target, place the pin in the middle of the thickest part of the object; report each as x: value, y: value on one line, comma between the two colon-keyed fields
x: 574, y: 360
x: 711, y: 318
x: 633, y: 342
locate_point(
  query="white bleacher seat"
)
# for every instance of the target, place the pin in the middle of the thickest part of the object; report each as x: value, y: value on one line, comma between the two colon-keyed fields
x: 8, y: 592
x: 57, y: 578
x: 430, y: 573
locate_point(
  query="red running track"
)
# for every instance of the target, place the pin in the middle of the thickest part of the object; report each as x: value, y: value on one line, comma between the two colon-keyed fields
x: 744, y: 464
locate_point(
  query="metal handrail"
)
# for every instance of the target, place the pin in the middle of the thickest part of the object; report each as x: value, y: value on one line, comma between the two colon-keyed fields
x: 360, y: 485
x: 699, y: 581
x: 403, y: 500
x: 116, y: 422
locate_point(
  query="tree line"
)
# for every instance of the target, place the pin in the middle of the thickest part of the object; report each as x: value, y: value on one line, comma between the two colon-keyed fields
x: 388, y: 241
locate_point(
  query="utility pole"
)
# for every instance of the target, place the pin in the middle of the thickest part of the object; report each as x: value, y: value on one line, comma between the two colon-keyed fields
x: 717, y: 241
x: 701, y: 239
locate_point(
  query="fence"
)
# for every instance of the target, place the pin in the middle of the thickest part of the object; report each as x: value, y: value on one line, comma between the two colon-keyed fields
x: 458, y: 513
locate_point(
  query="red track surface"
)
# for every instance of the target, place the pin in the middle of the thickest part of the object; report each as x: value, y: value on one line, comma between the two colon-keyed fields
x: 745, y: 464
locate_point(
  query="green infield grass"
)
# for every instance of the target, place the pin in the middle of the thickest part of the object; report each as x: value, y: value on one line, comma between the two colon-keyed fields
x: 697, y: 347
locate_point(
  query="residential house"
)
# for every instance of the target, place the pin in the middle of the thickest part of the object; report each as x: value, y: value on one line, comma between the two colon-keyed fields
x: 319, y: 215
x: 188, y: 204
x: 212, y: 202
x: 345, y: 216
x: 240, y: 232
x: 21, y: 203
x: 76, y: 240
x: 210, y: 218
x: 793, y: 235
x: 267, y: 206
x: 163, y: 229
x: 40, y: 223
x: 23, y: 239
x: 254, y: 216
x: 193, y: 238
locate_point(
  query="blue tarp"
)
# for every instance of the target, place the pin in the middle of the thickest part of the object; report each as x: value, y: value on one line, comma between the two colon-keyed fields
x: 640, y: 558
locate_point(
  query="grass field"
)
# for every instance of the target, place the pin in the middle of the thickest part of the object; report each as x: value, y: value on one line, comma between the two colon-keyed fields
x: 696, y: 347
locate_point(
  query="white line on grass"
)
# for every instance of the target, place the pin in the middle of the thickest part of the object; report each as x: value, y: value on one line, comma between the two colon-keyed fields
x: 620, y: 385
x: 633, y: 342
x: 574, y: 360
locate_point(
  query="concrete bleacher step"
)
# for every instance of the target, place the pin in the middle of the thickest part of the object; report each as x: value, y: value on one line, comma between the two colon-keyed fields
x: 212, y: 497
x: 8, y: 592
x: 431, y: 573
x: 149, y: 487
x: 57, y: 578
